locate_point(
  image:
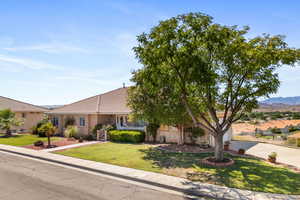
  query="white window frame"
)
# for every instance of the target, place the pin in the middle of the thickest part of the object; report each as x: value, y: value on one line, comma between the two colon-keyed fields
x: 82, y: 121
x: 55, y: 121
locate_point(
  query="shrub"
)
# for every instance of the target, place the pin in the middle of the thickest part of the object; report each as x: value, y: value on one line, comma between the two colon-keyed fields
x: 272, y: 155
x: 88, y: 137
x: 34, y: 130
x: 70, y: 121
x: 293, y: 128
x: 195, y: 132
x: 152, y: 130
x: 241, y: 151
x: 38, y: 143
x: 276, y: 130
x: 96, y: 128
x: 71, y: 131
x: 126, y: 136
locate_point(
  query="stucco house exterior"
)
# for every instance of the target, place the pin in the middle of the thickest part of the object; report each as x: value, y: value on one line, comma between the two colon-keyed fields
x: 107, y: 108
x: 111, y: 108
x: 30, y: 114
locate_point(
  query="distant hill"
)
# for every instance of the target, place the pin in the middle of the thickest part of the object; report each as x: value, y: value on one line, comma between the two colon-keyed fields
x: 51, y: 107
x: 283, y: 100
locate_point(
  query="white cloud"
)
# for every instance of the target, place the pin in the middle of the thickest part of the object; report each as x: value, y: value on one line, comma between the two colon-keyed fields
x: 27, y: 63
x: 55, y: 48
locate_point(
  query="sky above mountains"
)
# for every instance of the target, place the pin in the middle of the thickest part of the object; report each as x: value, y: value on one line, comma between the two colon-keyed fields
x: 61, y: 51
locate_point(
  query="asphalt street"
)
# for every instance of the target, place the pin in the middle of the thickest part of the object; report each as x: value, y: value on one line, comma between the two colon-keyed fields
x: 27, y: 179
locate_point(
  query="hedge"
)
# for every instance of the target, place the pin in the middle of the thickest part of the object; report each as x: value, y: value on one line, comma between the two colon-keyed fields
x: 126, y: 136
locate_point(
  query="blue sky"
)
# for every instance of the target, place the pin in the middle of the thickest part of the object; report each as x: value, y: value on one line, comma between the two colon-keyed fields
x: 60, y: 51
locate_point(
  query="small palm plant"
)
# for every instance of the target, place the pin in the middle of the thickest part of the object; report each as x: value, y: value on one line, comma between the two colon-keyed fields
x: 8, y: 120
x: 49, y: 130
x: 71, y: 131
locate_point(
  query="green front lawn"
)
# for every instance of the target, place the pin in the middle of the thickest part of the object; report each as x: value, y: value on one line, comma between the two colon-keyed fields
x: 247, y: 173
x: 23, y: 140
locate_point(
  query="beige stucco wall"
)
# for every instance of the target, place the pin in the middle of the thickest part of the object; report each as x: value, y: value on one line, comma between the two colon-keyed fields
x: 62, y: 119
x: 107, y: 119
x: 172, y: 135
x: 30, y: 120
x: 91, y: 120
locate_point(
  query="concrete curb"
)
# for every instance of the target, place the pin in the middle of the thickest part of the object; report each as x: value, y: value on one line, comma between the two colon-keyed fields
x: 149, y: 178
x: 187, y: 192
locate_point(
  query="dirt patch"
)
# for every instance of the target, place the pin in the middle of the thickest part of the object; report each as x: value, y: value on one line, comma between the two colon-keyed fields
x: 250, y: 128
x: 57, y: 143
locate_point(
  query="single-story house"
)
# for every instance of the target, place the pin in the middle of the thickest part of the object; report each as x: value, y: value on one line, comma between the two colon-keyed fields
x: 30, y: 114
x: 111, y: 108
x: 107, y: 108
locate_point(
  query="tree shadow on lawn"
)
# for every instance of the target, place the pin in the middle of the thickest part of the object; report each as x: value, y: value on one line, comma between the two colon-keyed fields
x: 12, y: 136
x: 246, y: 173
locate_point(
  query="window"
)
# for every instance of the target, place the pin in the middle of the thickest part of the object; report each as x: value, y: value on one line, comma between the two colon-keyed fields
x: 23, y: 115
x: 82, y: 121
x: 55, y: 121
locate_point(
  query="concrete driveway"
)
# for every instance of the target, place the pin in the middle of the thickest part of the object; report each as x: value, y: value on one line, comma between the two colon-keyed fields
x: 285, y: 155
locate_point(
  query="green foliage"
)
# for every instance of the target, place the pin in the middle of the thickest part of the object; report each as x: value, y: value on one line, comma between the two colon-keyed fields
x: 35, y: 129
x: 126, y: 136
x: 70, y: 121
x: 276, y: 130
x: 8, y: 120
x: 49, y: 131
x: 195, y: 133
x: 272, y: 155
x: 247, y: 173
x: 47, y: 128
x: 109, y: 127
x: 96, y: 128
x: 23, y: 140
x: 71, y: 131
x: 293, y: 128
x: 152, y: 130
x: 296, y: 116
x: 195, y: 67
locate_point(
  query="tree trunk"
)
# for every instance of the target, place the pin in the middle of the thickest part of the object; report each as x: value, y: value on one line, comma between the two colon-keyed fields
x: 8, y: 133
x: 49, y: 144
x: 219, y: 151
x: 181, y: 136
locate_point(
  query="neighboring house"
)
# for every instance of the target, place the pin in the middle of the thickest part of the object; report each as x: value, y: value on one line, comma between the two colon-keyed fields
x: 30, y: 114
x: 111, y: 108
x: 107, y: 108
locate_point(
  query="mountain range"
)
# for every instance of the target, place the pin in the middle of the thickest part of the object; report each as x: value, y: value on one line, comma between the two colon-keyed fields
x: 282, y: 100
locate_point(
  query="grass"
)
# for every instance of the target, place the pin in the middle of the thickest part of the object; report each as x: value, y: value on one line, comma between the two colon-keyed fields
x: 23, y: 140
x: 246, y: 173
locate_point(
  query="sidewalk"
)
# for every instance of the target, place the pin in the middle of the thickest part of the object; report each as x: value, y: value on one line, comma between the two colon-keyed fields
x: 70, y: 146
x: 150, y: 178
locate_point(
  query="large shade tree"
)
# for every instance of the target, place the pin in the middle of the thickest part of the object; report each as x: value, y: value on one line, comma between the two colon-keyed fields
x: 8, y: 119
x: 193, y: 66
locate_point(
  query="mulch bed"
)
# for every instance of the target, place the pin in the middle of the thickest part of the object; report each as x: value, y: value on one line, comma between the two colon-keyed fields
x: 212, y: 162
x: 59, y: 143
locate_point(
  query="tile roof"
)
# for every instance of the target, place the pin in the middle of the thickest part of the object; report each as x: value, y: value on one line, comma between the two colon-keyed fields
x: 113, y: 102
x: 19, y: 106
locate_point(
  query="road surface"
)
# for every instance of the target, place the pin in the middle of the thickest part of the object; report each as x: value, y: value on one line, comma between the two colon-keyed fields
x: 27, y: 179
